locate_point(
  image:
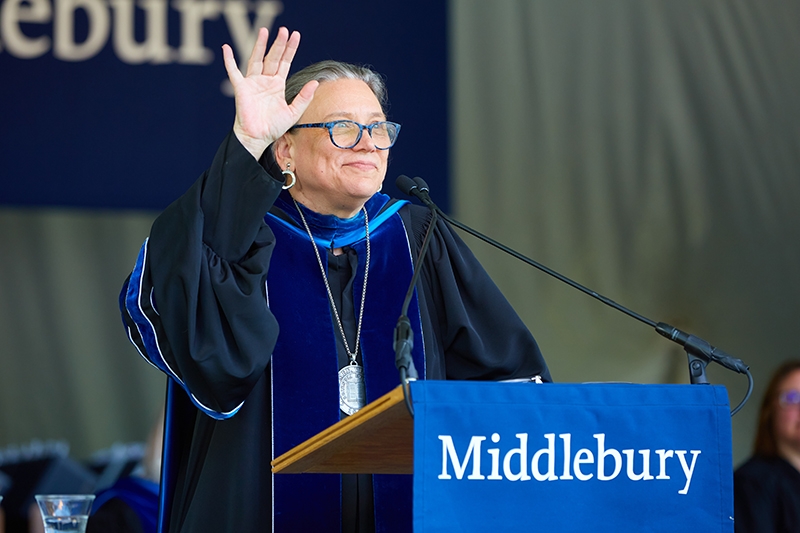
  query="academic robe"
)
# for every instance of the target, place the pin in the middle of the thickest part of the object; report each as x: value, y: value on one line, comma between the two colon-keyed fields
x: 199, y: 306
x: 766, y: 496
x: 130, y: 505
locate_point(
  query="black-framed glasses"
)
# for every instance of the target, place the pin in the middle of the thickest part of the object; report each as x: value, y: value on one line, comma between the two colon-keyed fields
x: 347, y: 133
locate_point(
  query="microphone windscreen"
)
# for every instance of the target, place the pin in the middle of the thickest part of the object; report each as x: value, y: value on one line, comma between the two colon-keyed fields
x: 405, y: 184
x: 423, y: 186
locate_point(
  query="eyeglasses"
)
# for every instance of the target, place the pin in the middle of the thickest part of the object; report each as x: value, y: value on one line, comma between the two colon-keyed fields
x: 790, y: 397
x: 347, y: 133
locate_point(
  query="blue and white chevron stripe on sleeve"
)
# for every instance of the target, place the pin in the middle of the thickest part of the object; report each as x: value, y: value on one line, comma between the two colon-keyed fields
x: 146, y: 332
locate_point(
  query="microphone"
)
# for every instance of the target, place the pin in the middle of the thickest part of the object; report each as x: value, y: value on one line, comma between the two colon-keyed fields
x: 697, y: 346
x: 700, y: 352
x: 417, y: 187
x: 403, y: 334
x: 406, y: 184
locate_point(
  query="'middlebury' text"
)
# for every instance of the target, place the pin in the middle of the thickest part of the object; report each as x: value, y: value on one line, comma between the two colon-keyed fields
x: 556, y: 462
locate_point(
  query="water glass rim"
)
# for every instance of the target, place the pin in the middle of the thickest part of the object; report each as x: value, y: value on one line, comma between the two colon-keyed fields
x: 64, y: 496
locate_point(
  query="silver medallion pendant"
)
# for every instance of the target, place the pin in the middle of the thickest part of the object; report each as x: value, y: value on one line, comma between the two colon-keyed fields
x: 352, y: 392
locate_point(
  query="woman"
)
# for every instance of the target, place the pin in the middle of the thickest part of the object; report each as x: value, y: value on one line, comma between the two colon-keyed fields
x: 130, y: 504
x: 767, y: 486
x: 328, y: 266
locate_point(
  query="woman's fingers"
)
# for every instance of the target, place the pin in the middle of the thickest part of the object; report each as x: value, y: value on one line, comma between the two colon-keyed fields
x: 288, y: 55
x: 278, y: 59
x: 304, y: 97
x: 254, y: 65
x: 234, y: 75
x: 275, y: 53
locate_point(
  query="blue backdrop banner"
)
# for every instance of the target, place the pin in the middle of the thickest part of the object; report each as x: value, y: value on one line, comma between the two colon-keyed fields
x: 560, y: 457
x: 122, y: 104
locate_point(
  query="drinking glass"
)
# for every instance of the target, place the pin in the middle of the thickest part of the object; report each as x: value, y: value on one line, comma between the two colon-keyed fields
x: 65, y: 512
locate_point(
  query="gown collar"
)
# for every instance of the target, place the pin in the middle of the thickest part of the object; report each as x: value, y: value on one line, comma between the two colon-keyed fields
x: 331, y: 231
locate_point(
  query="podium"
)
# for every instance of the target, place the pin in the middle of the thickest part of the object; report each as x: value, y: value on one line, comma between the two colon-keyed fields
x: 378, y: 439
x: 553, y: 457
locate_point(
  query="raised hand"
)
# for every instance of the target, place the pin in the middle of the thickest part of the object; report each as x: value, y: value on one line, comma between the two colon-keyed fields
x: 262, y: 114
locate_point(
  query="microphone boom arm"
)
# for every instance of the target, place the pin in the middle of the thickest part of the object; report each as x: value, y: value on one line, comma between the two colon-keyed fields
x: 698, y: 351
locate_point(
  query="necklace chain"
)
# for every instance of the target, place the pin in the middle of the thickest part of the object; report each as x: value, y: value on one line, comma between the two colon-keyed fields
x: 351, y: 355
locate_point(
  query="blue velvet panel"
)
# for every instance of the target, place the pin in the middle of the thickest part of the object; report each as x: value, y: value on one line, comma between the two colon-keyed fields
x: 304, y: 362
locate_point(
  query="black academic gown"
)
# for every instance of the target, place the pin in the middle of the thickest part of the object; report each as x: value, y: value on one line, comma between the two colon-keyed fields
x: 766, y: 496
x: 197, y: 308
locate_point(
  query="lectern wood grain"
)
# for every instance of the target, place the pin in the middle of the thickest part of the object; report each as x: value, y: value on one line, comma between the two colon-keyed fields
x: 379, y: 439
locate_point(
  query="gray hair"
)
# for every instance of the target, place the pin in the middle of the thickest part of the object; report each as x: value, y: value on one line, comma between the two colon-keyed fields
x: 330, y: 70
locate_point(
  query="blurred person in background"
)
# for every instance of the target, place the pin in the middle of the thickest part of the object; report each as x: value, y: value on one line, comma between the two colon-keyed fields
x: 767, y: 486
x: 131, y: 504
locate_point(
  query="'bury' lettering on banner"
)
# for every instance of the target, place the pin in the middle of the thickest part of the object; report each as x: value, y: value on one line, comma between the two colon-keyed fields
x: 599, y: 462
x: 24, y: 23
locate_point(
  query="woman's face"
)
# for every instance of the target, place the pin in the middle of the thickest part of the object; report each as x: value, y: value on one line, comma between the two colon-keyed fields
x: 787, y: 417
x: 331, y: 180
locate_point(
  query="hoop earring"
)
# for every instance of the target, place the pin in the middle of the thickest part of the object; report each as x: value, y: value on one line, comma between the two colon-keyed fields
x: 289, y: 173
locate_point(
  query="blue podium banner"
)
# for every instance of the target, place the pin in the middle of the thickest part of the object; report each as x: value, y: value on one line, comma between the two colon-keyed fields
x: 563, y: 457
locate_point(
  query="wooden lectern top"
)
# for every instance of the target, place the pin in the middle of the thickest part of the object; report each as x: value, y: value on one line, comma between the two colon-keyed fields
x: 378, y: 439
